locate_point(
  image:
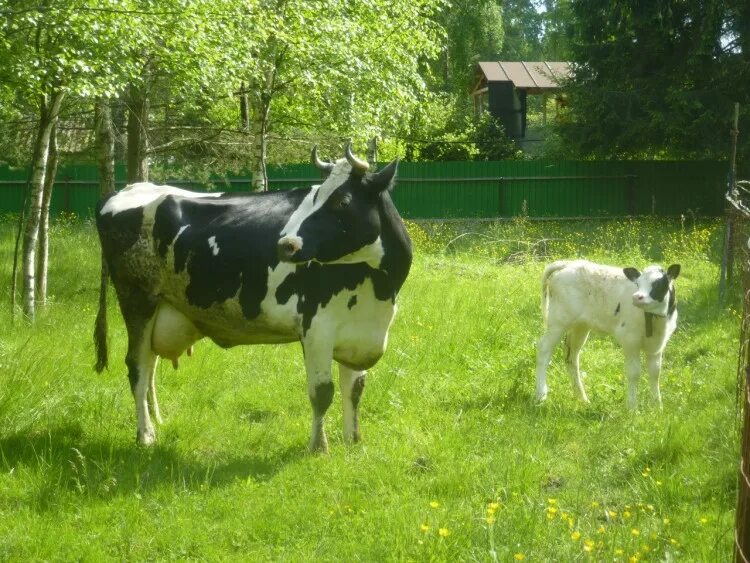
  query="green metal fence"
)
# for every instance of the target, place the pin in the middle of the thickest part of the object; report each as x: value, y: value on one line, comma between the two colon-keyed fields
x: 537, y: 188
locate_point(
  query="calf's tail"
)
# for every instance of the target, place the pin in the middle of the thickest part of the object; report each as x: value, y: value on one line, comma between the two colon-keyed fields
x: 548, y: 272
x: 100, y: 326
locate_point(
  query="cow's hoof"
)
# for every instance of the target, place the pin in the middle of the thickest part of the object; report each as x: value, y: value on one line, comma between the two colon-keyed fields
x: 147, y: 438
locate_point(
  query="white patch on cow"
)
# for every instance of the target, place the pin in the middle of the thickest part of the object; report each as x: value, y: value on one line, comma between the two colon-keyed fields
x: 182, y: 230
x: 372, y: 254
x: 213, y: 245
x: 144, y: 193
x: 320, y: 195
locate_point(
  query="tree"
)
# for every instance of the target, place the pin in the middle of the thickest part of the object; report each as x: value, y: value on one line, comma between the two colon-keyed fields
x: 658, y: 79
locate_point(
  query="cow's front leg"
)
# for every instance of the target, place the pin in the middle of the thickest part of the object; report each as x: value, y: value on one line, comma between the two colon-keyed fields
x: 632, y: 374
x: 653, y: 362
x: 318, y: 360
x: 352, y: 384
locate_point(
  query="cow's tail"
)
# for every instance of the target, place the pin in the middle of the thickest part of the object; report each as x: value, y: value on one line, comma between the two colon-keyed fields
x: 548, y: 272
x: 100, y: 326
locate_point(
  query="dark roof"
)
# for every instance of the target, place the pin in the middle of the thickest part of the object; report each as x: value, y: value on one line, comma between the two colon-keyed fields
x: 535, y: 77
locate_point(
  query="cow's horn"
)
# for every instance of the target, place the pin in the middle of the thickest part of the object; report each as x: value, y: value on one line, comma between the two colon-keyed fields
x: 360, y: 166
x: 324, y: 166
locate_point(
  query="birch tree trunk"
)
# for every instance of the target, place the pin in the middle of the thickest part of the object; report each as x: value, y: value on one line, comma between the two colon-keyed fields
x: 138, y: 106
x: 259, y: 131
x: 49, y: 110
x: 49, y: 183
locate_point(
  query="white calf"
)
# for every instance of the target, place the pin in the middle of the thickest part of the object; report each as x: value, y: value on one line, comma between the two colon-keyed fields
x: 637, y: 309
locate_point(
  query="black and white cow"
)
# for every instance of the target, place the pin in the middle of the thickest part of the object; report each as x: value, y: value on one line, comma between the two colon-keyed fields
x: 321, y: 266
x: 637, y: 309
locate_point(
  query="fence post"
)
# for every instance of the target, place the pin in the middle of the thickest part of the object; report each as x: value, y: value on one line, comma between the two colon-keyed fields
x: 500, y: 197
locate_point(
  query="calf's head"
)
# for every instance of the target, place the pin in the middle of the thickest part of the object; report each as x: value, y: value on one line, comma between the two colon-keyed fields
x: 655, y: 291
x: 339, y: 222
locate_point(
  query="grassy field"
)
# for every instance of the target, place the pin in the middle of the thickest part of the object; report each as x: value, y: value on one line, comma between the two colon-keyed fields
x: 458, y: 462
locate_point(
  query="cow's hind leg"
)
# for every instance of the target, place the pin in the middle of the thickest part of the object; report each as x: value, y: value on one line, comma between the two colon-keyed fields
x: 352, y: 385
x: 546, y: 346
x: 574, y: 341
x: 138, y: 311
x: 153, y: 404
x: 318, y: 360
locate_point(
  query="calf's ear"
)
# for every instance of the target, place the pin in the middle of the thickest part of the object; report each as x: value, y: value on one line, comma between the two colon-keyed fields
x: 673, y: 271
x: 631, y: 273
x: 384, y: 179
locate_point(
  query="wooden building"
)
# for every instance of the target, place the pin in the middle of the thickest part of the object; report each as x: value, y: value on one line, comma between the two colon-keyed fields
x: 502, y: 87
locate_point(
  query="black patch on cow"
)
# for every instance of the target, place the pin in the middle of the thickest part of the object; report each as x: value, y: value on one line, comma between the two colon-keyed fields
x: 617, y: 311
x: 167, y: 223
x: 352, y: 302
x: 358, y: 387
x: 318, y: 283
x: 118, y: 232
x: 133, y: 373
x: 322, y: 398
x: 660, y: 288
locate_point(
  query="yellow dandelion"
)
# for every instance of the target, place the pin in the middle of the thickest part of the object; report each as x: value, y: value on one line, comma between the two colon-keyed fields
x: 490, y: 520
x: 434, y: 504
x: 673, y: 541
x: 626, y: 514
x: 619, y: 551
x: 612, y: 513
x: 444, y: 532
x: 594, y: 504
x: 551, y: 510
x: 649, y: 506
x: 571, y: 521
x: 425, y: 528
x: 635, y: 532
x: 703, y: 520
x: 493, y: 506
x: 645, y: 548
x: 519, y: 557
x: 552, y: 500
x: 575, y: 536
x: 588, y: 547
x: 601, y: 529
x: 659, y: 483
x: 633, y: 558
x: 666, y: 521
x: 491, y: 511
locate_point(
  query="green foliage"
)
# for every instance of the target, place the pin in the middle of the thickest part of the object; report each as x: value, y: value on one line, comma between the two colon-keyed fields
x: 491, y: 141
x: 457, y: 464
x: 657, y: 80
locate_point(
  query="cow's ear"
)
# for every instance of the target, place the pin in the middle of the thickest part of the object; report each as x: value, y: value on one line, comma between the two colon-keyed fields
x: 673, y: 271
x: 383, y: 179
x: 631, y: 273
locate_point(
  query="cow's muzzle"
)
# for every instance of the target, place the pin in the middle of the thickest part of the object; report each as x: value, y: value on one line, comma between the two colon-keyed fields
x: 287, y: 247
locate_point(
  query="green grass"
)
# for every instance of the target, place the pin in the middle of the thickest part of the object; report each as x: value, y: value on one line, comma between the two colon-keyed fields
x: 448, y: 419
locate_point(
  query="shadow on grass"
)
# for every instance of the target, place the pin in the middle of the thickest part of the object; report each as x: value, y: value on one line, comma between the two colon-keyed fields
x: 62, y: 460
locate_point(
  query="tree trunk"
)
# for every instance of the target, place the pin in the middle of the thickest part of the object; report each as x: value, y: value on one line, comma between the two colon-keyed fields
x: 259, y: 131
x: 48, y: 115
x: 49, y: 183
x: 105, y: 144
x: 138, y: 105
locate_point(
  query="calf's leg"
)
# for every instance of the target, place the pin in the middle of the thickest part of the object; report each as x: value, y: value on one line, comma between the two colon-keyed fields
x: 653, y: 362
x: 544, y: 350
x: 352, y: 384
x: 632, y: 374
x: 574, y: 341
